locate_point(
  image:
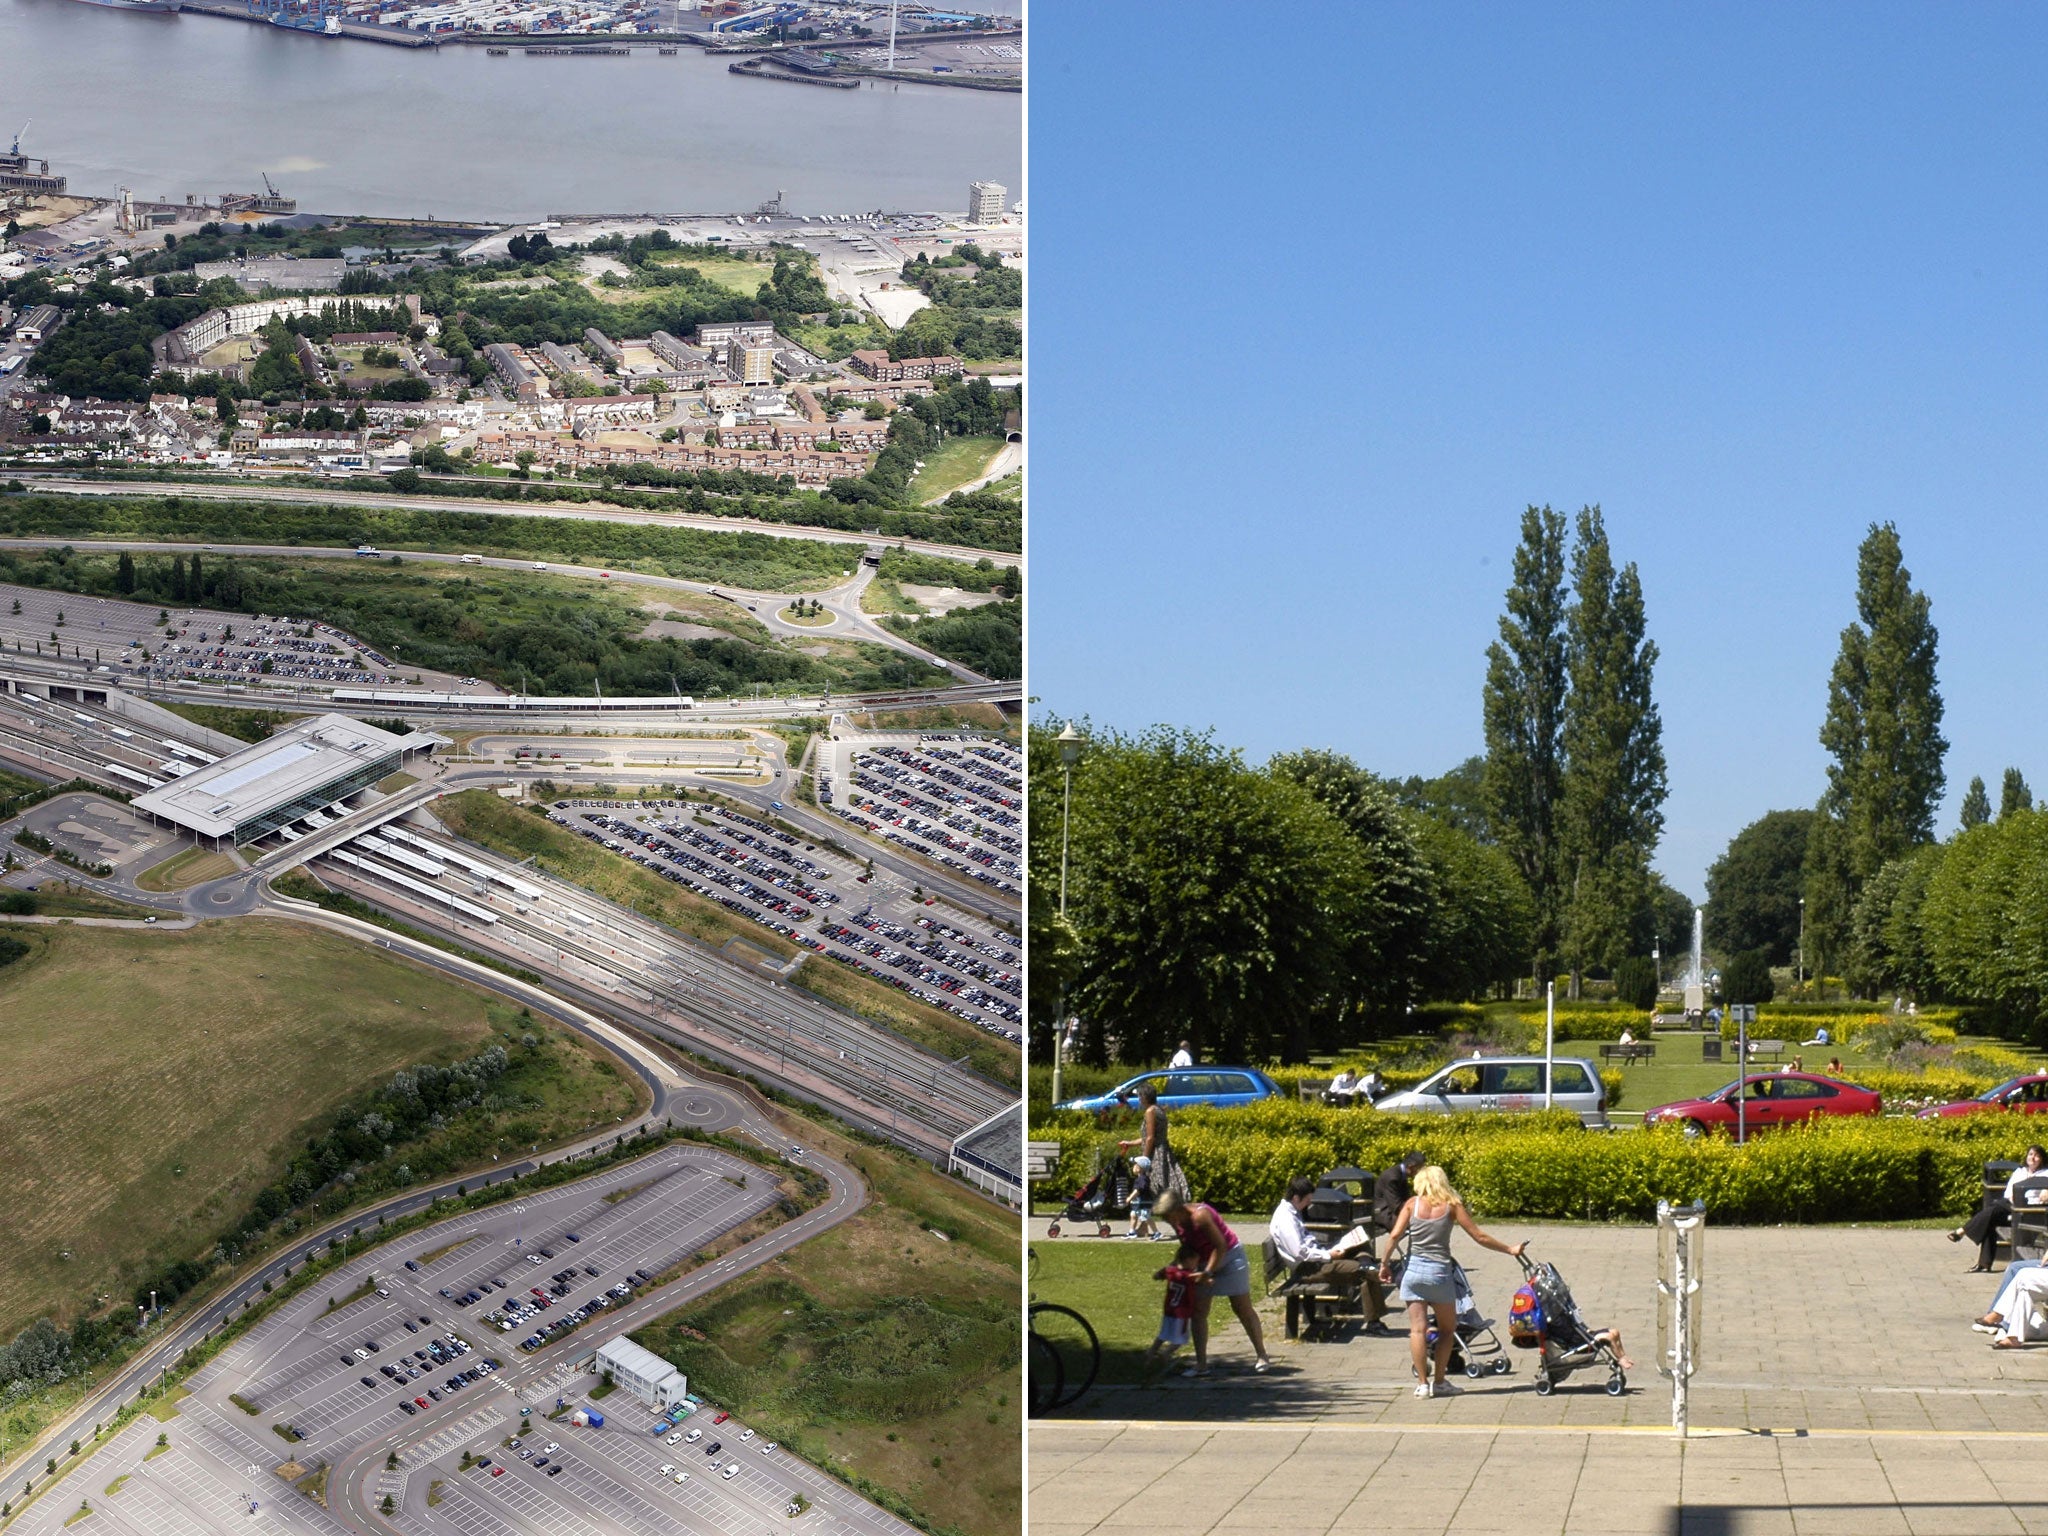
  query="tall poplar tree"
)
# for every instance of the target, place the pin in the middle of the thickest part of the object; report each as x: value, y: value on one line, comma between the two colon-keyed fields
x: 1614, y: 780
x: 1976, y: 804
x: 2013, y: 794
x: 1526, y: 679
x: 1883, y: 730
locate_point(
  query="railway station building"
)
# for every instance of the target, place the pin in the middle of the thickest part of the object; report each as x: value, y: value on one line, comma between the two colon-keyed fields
x: 303, y: 773
x: 642, y: 1372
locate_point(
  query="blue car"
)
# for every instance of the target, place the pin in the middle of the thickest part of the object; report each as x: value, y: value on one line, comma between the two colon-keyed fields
x: 1182, y: 1087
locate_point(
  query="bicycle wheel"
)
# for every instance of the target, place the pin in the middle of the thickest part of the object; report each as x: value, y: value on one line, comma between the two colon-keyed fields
x: 1048, y: 1379
x: 1067, y: 1333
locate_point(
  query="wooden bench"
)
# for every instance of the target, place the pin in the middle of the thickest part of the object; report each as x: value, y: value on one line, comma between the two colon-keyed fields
x: 1635, y: 1050
x: 1039, y: 1158
x: 1775, y: 1049
x: 1321, y: 1302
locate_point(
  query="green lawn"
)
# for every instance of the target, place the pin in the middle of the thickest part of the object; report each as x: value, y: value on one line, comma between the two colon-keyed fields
x: 1109, y: 1282
x: 952, y: 464
x: 129, y: 1050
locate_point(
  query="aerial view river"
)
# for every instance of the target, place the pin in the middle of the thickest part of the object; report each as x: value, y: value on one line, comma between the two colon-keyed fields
x: 170, y: 104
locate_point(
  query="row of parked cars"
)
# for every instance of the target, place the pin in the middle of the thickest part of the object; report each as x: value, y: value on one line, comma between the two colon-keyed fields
x: 1516, y: 1084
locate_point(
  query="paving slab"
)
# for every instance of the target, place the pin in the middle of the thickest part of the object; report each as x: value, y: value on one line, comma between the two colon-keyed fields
x: 1842, y: 1393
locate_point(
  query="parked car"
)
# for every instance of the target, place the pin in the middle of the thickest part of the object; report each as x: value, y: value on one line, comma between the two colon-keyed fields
x: 1184, y: 1087
x: 1767, y: 1099
x: 1505, y: 1085
x: 2020, y: 1095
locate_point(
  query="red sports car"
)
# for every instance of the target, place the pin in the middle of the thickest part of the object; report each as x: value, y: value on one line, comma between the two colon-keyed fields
x: 2021, y: 1095
x: 1768, y: 1099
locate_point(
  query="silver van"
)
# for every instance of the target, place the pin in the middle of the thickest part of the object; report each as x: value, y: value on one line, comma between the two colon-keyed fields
x: 1506, y: 1085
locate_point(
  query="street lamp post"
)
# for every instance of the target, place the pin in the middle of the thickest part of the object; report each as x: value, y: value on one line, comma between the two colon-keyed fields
x: 1071, y: 742
x: 1802, y: 945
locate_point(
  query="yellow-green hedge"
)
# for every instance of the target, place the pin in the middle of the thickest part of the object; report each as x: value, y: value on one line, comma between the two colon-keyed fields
x: 1544, y: 1167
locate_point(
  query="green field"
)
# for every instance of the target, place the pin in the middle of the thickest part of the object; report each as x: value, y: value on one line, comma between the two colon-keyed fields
x: 1110, y: 1284
x: 519, y: 834
x: 880, y: 1349
x: 130, y: 1053
x: 952, y: 464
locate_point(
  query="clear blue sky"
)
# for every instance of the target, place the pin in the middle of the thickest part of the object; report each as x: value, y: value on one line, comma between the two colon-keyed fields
x: 1315, y: 315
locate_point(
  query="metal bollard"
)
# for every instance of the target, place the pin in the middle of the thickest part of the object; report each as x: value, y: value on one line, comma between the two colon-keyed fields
x: 1681, y: 1271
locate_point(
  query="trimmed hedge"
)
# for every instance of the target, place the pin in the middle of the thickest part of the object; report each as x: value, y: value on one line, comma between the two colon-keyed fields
x: 1543, y: 1167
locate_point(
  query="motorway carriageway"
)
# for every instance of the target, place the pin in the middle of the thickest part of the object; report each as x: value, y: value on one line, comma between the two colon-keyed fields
x: 652, y: 965
x: 391, y: 499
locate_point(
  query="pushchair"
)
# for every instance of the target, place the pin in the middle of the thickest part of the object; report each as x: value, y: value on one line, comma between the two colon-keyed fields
x: 1105, y: 1199
x: 1475, y: 1348
x: 1544, y: 1317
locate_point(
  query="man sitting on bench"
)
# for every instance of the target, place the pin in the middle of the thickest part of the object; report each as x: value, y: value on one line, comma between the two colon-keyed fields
x: 1309, y: 1260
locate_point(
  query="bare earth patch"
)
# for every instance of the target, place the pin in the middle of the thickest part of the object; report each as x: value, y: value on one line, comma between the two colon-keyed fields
x: 946, y: 599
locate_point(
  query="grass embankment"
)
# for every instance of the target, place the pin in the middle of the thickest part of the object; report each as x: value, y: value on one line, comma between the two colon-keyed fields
x: 940, y: 717
x: 952, y: 464
x: 880, y: 1350
x: 60, y: 898
x: 242, y: 724
x: 12, y: 784
x: 117, y: 1155
x: 518, y: 833
x: 195, y: 866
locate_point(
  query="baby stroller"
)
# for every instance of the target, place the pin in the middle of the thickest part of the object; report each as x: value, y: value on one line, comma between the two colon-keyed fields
x: 1104, y: 1199
x: 1544, y: 1317
x: 1476, y: 1348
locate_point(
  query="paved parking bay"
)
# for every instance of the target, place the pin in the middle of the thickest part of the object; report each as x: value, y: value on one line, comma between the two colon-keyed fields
x: 222, y: 1459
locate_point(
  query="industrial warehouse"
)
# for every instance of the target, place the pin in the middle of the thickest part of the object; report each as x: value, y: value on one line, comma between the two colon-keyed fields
x: 295, y: 776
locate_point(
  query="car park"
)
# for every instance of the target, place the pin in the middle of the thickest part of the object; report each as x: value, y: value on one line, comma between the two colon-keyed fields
x: 1764, y: 1102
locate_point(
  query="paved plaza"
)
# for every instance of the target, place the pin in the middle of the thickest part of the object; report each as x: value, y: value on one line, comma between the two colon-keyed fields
x: 1842, y: 1390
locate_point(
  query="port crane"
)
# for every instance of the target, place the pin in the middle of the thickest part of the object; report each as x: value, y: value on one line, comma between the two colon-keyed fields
x: 269, y: 187
x: 15, y: 152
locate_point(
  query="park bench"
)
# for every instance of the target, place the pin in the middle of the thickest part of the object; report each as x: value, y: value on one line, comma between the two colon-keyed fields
x: 1318, y: 1303
x: 1635, y: 1050
x: 1039, y: 1158
x: 1758, y: 1049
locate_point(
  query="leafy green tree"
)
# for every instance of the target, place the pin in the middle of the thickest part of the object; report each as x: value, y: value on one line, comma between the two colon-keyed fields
x: 177, y: 578
x: 124, y: 573
x: 1753, y: 889
x: 1888, y: 947
x: 1611, y: 813
x: 1976, y: 804
x: 1457, y: 798
x: 1209, y: 901
x: 1635, y: 982
x: 1746, y: 978
x: 2013, y: 794
x: 1482, y: 921
x: 1883, y: 731
x: 1526, y: 679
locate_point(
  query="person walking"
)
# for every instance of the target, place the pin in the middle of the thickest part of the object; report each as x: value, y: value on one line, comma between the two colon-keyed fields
x: 1427, y: 1283
x: 1152, y: 1142
x: 1221, y: 1269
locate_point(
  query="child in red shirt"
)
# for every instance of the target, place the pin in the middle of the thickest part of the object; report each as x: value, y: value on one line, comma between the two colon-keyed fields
x: 1178, y: 1314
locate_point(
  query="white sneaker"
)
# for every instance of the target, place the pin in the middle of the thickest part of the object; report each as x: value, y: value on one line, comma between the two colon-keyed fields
x: 1423, y: 1390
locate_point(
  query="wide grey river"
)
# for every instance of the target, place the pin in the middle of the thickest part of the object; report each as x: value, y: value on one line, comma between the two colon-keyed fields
x: 166, y: 105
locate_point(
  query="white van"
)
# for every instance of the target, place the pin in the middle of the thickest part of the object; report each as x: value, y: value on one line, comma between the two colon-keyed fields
x: 1505, y: 1085
x: 472, y: 559
x: 540, y: 565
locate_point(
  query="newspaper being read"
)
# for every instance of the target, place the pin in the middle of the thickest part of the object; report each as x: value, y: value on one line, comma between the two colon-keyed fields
x: 1356, y: 1238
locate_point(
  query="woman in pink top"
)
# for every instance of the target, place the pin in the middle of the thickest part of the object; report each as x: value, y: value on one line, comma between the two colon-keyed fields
x: 1220, y: 1270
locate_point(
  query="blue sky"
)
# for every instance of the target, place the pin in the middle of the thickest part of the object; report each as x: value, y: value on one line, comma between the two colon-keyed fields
x: 1316, y: 314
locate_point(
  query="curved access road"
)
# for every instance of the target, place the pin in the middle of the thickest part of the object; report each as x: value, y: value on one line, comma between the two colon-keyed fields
x: 708, y: 1106
x: 576, y: 512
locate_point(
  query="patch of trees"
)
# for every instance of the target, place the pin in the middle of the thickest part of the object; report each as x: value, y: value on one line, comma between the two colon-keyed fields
x: 1267, y: 911
x: 106, y: 352
x: 990, y: 638
x: 977, y: 280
